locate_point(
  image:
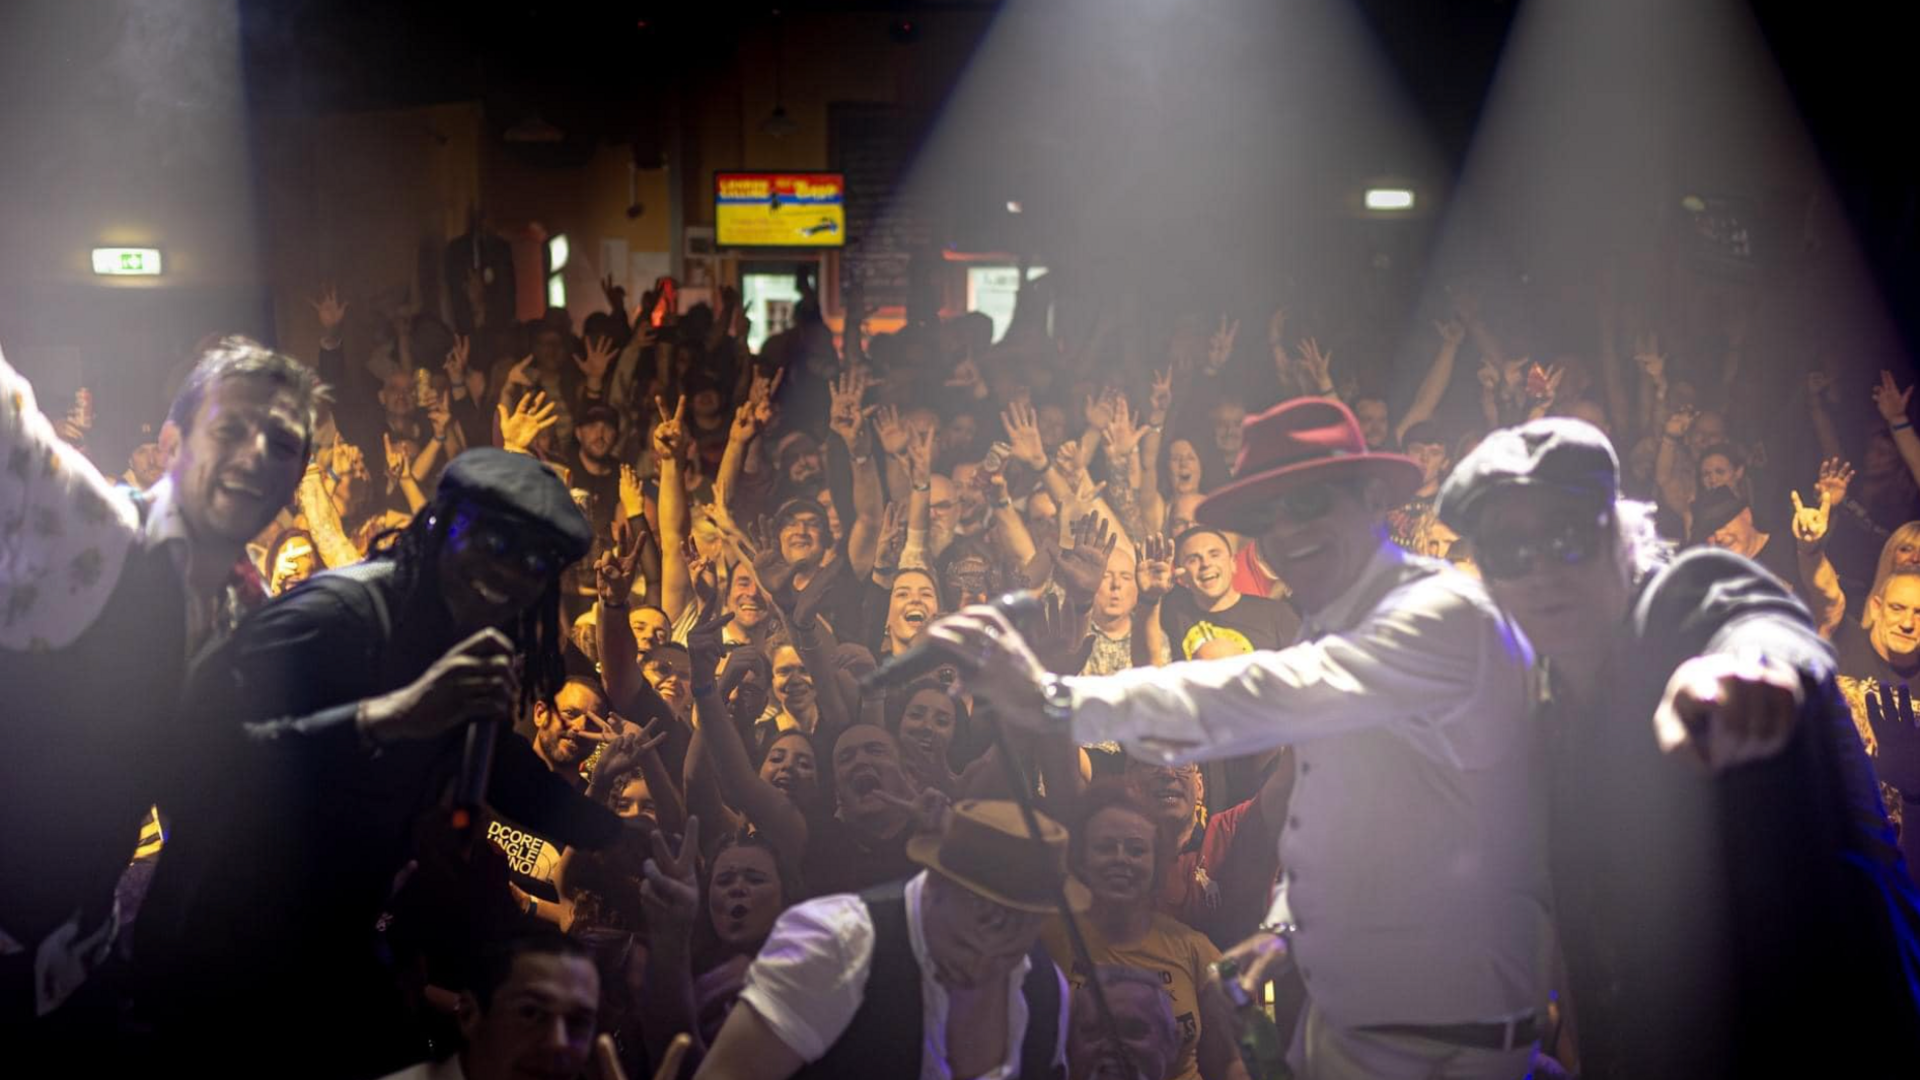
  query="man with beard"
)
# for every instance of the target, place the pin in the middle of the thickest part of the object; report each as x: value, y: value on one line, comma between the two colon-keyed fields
x: 559, y: 725
x: 1152, y: 1042
x: 592, y: 467
x: 1725, y: 881
x: 1415, y: 895
x: 865, y: 843
x: 336, y: 717
x: 106, y: 598
x: 939, y: 975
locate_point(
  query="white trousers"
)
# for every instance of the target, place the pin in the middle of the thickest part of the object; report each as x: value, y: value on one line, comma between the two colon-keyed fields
x: 1325, y: 1052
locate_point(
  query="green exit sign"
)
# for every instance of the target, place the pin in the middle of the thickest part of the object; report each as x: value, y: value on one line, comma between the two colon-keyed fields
x: 140, y: 262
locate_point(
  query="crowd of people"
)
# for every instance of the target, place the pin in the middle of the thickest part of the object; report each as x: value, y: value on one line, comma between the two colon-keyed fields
x: 662, y: 569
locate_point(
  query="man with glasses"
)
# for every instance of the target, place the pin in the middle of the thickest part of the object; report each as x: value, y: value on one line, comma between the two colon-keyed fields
x: 334, y: 719
x: 1728, y: 898
x: 1414, y: 897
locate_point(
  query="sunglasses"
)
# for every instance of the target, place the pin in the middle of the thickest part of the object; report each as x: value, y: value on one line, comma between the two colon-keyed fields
x: 1570, y: 544
x: 1301, y: 505
x: 537, y: 560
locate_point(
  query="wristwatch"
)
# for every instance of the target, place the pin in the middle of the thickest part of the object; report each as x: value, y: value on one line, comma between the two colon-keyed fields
x: 1057, y: 701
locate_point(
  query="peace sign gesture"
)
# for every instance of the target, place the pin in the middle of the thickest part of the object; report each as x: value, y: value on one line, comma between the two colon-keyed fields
x: 670, y: 434
x: 1220, y: 345
x: 671, y: 892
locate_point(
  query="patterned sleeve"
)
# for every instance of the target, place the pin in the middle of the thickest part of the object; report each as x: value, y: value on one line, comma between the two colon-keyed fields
x: 64, y: 530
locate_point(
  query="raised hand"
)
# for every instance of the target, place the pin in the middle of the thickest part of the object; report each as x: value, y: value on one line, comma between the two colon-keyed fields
x: 1489, y: 376
x: 1083, y: 562
x: 1153, y: 574
x: 1122, y: 433
x: 893, y: 536
x: 670, y: 433
x: 613, y: 571
x: 1890, y: 399
x: 616, y: 296
x: 1220, y: 344
x: 892, y: 433
x: 920, y: 457
x: 633, y: 499
x: 623, y: 744
x: 671, y: 892
x: 1160, y: 398
x: 477, y: 679
x: 521, y: 374
x: 397, y: 464
x: 1022, y: 423
x: 330, y: 311
x: 1678, y: 422
x: 1835, y: 477
x: 1099, y: 409
x: 844, y: 416
x: 706, y: 641
x: 1317, y: 363
x: 1452, y: 332
x: 531, y: 415
x: 599, y: 356
x: 1810, y: 522
x: 1896, y: 737
x: 440, y: 412
x: 929, y: 810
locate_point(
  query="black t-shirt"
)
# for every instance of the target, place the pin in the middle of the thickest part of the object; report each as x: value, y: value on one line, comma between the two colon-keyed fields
x: 840, y: 859
x: 1259, y: 622
x: 604, y: 488
x: 1857, y: 658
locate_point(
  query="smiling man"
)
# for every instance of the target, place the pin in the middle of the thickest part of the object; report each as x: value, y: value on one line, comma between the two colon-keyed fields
x: 102, y: 603
x: 1207, y: 606
x: 1414, y: 898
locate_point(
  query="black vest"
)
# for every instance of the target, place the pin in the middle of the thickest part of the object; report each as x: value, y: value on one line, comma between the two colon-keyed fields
x: 885, y: 1039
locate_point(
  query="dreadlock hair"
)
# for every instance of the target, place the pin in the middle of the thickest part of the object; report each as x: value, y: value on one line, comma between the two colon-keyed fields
x: 537, y: 635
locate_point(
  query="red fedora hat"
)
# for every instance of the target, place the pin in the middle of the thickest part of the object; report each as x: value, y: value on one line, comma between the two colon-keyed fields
x: 1301, y: 441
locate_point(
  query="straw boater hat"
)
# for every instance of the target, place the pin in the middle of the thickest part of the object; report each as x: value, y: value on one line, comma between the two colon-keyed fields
x: 986, y: 848
x: 1299, y: 442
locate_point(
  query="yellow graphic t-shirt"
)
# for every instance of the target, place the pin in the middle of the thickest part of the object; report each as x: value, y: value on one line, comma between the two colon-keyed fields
x: 1175, y: 951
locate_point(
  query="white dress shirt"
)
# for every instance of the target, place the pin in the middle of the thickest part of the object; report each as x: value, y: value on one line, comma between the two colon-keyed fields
x: 64, y: 530
x: 811, y: 978
x: 1415, y: 844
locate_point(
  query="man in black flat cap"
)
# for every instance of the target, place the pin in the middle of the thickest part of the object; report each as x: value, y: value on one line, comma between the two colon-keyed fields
x: 1727, y: 894
x: 331, y: 722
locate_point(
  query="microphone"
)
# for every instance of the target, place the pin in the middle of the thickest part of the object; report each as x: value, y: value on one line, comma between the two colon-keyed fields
x: 476, y: 769
x: 1020, y: 607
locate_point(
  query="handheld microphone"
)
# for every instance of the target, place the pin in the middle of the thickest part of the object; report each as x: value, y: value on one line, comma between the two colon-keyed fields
x: 924, y: 656
x: 476, y: 769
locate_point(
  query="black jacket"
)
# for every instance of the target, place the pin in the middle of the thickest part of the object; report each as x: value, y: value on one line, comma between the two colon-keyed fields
x: 287, y: 832
x: 1758, y: 922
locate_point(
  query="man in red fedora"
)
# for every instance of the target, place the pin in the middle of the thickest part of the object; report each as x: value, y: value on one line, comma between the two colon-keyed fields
x: 938, y: 976
x: 1415, y: 895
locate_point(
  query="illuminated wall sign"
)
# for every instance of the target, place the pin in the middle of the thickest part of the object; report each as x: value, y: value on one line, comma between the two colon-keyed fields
x: 1389, y: 199
x: 133, y: 262
x: 791, y: 210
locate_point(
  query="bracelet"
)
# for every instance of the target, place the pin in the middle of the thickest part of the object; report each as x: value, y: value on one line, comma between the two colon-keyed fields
x: 1281, y: 929
x: 923, y: 487
x: 1903, y: 425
